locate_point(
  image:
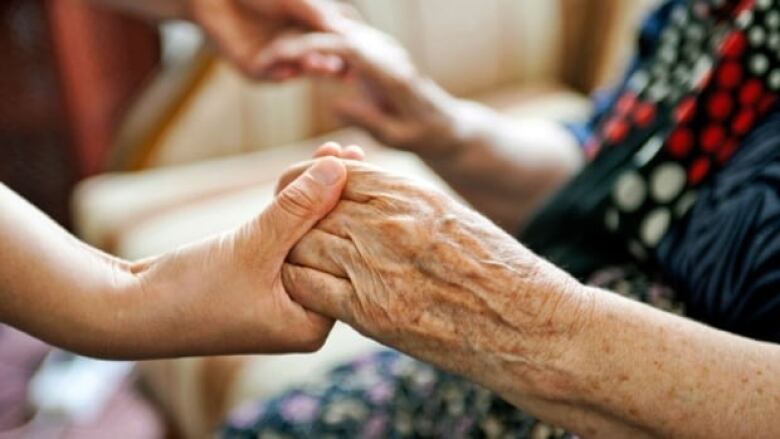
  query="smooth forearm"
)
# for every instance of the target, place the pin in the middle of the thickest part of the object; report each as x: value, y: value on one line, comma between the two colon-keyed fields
x: 52, y: 285
x: 631, y: 368
x: 73, y: 296
x: 151, y: 9
x: 506, y: 168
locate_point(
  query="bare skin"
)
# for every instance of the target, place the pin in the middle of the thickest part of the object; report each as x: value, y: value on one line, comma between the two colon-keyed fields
x: 413, y: 269
x: 223, y: 295
x: 487, y: 158
x: 241, y: 29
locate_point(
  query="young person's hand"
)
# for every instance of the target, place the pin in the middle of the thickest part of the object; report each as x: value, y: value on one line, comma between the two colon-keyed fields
x: 242, y: 29
x: 227, y: 290
x: 223, y: 295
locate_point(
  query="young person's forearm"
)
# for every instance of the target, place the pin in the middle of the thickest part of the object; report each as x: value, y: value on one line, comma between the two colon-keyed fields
x: 151, y: 9
x: 52, y: 285
x: 506, y: 168
x: 73, y: 296
x: 632, y: 368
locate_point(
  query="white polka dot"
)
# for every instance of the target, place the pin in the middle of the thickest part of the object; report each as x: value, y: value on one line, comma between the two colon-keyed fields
x: 692, y: 51
x: 701, y: 69
x: 667, y: 182
x: 774, y: 40
x: 745, y: 19
x: 636, y: 249
x: 695, y: 32
x: 655, y: 226
x: 684, y: 205
x: 759, y: 64
x: 658, y: 91
x: 763, y: 4
x: 772, y: 19
x: 680, y: 16
x: 630, y: 191
x: 757, y: 36
x: 660, y: 73
x: 774, y: 80
x: 670, y: 37
x: 612, y: 219
x: 681, y: 75
x: 649, y: 150
x: 668, y: 55
x: 675, y: 94
x: 639, y: 81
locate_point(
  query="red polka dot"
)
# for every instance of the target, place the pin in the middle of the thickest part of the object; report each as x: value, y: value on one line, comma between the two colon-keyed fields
x: 711, y: 137
x: 744, y: 5
x: 743, y: 122
x: 719, y: 105
x: 685, y: 111
x: 680, y: 142
x: 727, y: 151
x: 734, y: 44
x: 644, y: 114
x: 730, y: 74
x: 699, y: 170
x: 626, y: 103
x: 751, y: 92
x: 766, y: 104
x: 616, y: 130
x: 592, y: 147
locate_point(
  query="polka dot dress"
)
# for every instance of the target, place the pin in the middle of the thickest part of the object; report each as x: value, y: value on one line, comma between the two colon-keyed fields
x: 714, y: 75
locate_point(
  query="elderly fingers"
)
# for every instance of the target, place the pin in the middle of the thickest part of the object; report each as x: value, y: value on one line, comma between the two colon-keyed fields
x: 319, y: 292
x: 323, y: 252
x: 298, y: 48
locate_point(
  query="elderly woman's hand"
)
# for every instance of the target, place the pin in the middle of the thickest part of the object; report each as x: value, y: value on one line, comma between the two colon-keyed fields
x: 399, y: 106
x: 242, y: 29
x: 410, y: 267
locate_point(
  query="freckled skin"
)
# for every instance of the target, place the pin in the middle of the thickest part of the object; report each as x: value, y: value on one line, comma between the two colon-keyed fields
x: 420, y: 272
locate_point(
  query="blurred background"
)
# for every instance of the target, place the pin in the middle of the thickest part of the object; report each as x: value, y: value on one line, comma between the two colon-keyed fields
x: 137, y: 138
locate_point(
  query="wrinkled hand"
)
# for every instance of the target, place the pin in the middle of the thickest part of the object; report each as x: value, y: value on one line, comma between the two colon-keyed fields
x: 399, y: 107
x: 414, y: 269
x: 242, y: 29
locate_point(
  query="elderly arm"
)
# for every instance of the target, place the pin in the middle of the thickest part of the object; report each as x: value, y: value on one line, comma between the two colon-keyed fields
x: 417, y: 271
x: 219, y: 296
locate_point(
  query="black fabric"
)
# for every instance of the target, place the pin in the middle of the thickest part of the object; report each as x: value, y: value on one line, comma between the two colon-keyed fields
x: 724, y: 259
x: 567, y: 232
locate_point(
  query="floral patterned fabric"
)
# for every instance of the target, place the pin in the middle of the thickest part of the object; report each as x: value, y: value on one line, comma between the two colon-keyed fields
x: 389, y: 395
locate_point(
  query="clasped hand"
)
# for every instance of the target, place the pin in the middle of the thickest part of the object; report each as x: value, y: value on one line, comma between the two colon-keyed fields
x: 412, y: 268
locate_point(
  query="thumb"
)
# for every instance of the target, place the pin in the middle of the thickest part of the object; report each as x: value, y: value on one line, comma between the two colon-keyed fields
x: 302, y: 204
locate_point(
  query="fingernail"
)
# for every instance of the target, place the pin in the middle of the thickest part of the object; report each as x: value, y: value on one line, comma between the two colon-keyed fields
x: 327, y: 171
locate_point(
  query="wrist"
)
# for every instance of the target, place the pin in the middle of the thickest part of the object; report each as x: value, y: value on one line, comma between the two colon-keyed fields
x: 446, y: 126
x: 106, y: 320
x: 461, y: 135
x: 552, y: 314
